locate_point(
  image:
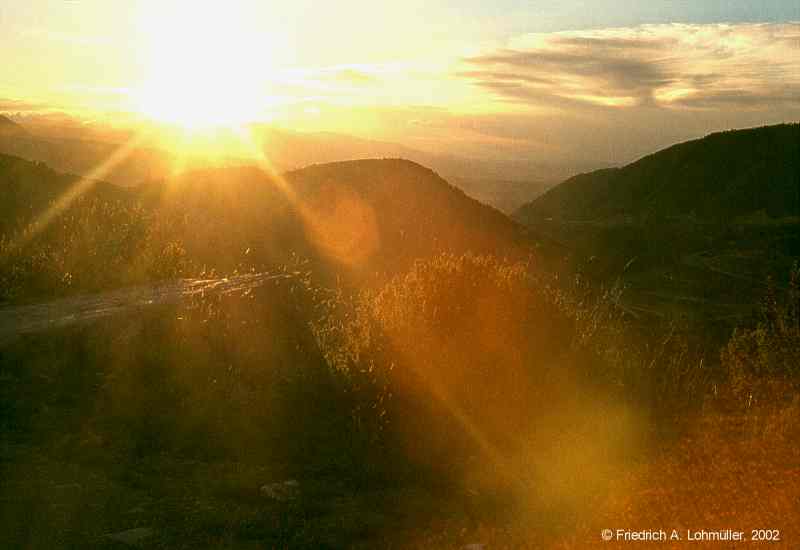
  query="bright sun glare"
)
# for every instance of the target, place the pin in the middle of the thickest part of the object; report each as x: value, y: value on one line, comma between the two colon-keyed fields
x: 204, y: 65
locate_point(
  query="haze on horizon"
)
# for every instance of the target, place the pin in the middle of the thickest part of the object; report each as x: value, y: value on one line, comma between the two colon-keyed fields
x: 567, y: 81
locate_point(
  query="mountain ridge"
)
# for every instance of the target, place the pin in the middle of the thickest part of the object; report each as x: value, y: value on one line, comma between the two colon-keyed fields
x: 714, y: 177
x: 363, y: 216
x: 9, y: 127
x: 354, y: 222
x: 70, y: 146
x: 697, y: 229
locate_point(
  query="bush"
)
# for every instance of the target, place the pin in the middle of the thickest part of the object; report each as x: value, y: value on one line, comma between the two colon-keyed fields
x: 763, y: 363
x: 229, y: 374
x: 464, y: 356
x: 97, y: 244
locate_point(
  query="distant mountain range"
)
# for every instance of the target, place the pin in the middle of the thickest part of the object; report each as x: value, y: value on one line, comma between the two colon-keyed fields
x: 69, y: 146
x: 8, y: 125
x: 83, y: 152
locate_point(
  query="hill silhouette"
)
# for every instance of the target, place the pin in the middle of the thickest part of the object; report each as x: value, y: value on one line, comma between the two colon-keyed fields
x: 81, y: 156
x: 363, y: 217
x: 28, y: 188
x: 69, y: 145
x: 698, y: 228
x: 7, y: 124
x: 723, y: 175
x: 351, y: 222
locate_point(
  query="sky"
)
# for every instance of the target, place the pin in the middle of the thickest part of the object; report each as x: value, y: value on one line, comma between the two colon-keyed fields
x: 597, y: 80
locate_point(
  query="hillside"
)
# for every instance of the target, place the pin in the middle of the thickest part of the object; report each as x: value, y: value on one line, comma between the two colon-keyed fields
x: 29, y: 187
x: 356, y: 222
x: 362, y: 218
x: 9, y: 127
x: 80, y: 156
x: 723, y: 175
x: 697, y: 229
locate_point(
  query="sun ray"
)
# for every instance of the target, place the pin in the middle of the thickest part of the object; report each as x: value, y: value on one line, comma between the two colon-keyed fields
x: 436, y: 389
x: 257, y: 154
x: 81, y: 186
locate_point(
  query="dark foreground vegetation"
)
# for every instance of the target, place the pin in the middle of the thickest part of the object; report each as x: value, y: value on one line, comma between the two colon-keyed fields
x: 448, y: 398
x: 465, y: 400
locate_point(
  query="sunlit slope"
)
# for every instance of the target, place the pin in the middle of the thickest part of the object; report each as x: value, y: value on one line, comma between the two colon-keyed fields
x: 362, y: 218
x: 9, y: 127
x: 82, y: 156
x: 29, y: 187
x: 348, y: 223
x: 721, y: 176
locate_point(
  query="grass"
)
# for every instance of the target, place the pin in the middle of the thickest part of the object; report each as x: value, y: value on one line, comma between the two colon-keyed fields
x: 469, y: 400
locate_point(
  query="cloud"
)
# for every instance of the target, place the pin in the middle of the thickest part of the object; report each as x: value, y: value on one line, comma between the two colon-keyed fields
x: 720, y: 66
x: 573, y: 99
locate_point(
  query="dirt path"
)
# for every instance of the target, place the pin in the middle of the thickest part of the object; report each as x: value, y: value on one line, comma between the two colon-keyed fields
x: 19, y: 320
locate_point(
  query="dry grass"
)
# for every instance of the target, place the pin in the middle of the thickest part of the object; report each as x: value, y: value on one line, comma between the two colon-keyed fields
x: 728, y: 471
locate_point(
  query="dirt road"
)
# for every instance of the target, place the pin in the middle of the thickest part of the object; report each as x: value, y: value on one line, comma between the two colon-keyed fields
x: 18, y: 320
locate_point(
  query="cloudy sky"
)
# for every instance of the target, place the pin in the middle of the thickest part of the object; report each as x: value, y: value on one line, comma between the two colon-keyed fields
x: 571, y: 80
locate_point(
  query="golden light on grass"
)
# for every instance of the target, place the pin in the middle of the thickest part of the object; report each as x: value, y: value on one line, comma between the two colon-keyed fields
x: 81, y: 186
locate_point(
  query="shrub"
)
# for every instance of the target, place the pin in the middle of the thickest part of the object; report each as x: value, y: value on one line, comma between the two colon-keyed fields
x: 763, y: 362
x: 97, y: 244
x: 233, y: 374
x: 463, y: 356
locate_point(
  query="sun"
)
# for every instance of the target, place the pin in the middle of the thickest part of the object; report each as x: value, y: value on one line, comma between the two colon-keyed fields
x: 204, y: 65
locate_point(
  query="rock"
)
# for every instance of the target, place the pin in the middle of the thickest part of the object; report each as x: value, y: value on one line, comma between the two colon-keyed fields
x: 132, y: 537
x: 282, y: 491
